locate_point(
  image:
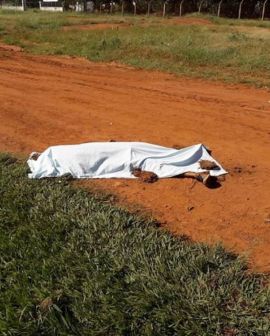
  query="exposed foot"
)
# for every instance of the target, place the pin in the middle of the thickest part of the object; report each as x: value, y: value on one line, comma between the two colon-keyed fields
x: 208, y: 165
x: 34, y: 156
x: 145, y: 176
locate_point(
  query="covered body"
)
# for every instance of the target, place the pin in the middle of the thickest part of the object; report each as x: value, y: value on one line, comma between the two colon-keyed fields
x: 117, y: 159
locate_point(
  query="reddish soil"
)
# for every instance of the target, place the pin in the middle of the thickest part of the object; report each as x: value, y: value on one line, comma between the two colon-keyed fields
x: 105, y: 26
x: 190, y: 21
x: 48, y: 100
x: 7, y: 47
x: 96, y: 26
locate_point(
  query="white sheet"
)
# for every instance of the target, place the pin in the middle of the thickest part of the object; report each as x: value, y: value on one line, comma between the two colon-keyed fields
x: 116, y: 159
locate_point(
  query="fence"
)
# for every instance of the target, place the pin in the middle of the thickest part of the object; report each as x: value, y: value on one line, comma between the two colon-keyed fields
x: 259, y: 9
x: 12, y: 5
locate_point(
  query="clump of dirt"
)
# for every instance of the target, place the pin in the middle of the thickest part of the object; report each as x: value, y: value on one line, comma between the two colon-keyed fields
x: 237, y: 170
x: 145, y: 176
x: 209, y: 165
x: 227, y: 331
x: 248, y: 169
x: 46, y: 304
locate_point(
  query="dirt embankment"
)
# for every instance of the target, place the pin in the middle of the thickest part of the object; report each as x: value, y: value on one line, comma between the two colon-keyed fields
x: 48, y: 100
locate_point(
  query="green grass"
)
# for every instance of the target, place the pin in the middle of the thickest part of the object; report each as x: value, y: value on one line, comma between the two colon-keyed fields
x: 229, y: 50
x: 71, y: 263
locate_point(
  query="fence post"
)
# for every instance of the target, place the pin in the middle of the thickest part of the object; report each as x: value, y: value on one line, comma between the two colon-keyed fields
x: 135, y: 7
x: 148, y: 7
x: 181, y: 7
x: 164, y: 8
x: 219, y: 7
x: 263, y: 10
x: 240, y: 9
x: 122, y: 8
x: 200, y: 6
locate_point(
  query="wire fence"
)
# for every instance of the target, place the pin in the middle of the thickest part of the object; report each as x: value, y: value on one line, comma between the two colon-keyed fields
x: 256, y: 9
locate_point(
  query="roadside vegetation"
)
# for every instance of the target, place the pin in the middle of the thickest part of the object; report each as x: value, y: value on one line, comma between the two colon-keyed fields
x: 72, y: 263
x: 225, y: 49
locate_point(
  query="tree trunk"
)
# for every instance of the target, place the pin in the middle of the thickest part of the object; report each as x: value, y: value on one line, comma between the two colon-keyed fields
x: 181, y: 7
x: 219, y: 7
x: 148, y: 7
x: 122, y: 7
x: 164, y: 9
x: 263, y: 10
x: 240, y: 9
x: 111, y: 7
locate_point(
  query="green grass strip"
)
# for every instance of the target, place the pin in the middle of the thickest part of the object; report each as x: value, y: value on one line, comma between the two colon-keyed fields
x: 71, y: 263
x: 234, y: 51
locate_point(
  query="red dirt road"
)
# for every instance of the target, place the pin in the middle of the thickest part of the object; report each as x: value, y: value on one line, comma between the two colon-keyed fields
x: 47, y: 101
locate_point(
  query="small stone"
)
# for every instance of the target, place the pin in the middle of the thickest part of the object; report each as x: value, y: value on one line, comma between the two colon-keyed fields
x: 190, y: 208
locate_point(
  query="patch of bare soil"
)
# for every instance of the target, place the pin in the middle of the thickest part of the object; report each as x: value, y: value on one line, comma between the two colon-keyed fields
x: 191, y: 21
x: 52, y: 100
x: 254, y: 32
x: 7, y: 47
x: 116, y: 26
x: 97, y: 26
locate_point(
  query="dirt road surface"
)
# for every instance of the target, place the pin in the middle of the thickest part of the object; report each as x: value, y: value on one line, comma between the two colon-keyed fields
x: 48, y: 100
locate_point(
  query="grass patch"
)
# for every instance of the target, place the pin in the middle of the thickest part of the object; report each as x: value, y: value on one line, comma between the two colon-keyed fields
x: 73, y: 264
x: 229, y: 50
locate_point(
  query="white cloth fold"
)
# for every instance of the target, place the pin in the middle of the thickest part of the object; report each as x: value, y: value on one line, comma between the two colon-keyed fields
x: 116, y: 160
